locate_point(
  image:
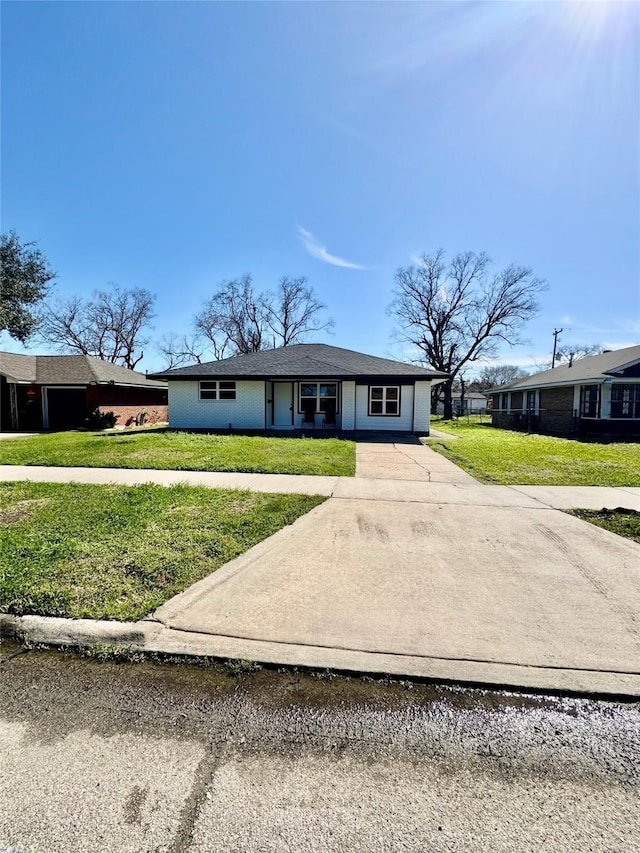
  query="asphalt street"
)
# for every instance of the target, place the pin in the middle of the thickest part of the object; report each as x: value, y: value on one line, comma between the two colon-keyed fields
x: 105, y: 756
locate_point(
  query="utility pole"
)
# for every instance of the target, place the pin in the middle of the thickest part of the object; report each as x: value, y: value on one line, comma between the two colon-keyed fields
x: 556, y: 332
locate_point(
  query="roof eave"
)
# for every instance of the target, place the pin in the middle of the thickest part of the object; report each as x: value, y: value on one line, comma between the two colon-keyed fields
x: 297, y: 377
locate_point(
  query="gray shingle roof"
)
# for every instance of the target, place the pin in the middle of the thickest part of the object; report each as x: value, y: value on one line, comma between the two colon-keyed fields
x: 301, y: 361
x: 69, y: 370
x: 591, y: 368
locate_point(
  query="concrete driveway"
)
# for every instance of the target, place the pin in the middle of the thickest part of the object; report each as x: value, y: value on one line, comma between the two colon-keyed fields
x: 474, y: 583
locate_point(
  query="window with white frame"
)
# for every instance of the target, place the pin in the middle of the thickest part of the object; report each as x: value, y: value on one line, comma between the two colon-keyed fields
x: 217, y: 389
x: 384, y: 400
x: 625, y: 401
x: 590, y: 401
x: 323, y: 396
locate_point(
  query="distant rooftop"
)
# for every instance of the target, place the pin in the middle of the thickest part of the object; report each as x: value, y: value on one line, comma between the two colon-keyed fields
x: 591, y: 367
x: 69, y: 370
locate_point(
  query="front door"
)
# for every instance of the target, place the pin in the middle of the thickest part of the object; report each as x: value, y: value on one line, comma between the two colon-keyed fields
x: 283, y: 405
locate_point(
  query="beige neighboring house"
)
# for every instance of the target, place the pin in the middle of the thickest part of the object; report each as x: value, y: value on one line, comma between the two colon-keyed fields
x: 595, y: 395
x: 58, y: 392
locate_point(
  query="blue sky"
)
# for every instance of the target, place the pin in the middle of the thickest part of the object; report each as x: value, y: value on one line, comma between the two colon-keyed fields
x: 171, y: 145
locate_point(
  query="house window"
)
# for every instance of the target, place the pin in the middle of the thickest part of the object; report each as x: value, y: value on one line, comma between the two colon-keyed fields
x: 589, y: 401
x: 531, y: 401
x: 384, y: 400
x: 323, y: 396
x: 217, y: 389
x: 625, y: 401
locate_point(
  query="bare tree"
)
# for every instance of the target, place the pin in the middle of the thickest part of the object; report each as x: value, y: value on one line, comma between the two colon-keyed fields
x: 458, y: 312
x: 293, y: 312
x: 179, y: 350
x: 233, y: 319
x: 572, y: 352
x: 24, y: 280
x: 494, y: 375
x: 110, y: 325
x: 237, y: 319
x: 567, y: 353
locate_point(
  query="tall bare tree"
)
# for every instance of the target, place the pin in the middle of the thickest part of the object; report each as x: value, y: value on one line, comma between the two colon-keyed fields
x: 110, y: 325
x: 233, y: 319
x: 24, y: 281
x: 238, y: 319
x: 456, y: 312
x: 293, y: 312
x: 179, y: 350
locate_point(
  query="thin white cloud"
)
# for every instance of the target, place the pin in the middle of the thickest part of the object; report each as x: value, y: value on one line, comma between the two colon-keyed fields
x: 317, y: 251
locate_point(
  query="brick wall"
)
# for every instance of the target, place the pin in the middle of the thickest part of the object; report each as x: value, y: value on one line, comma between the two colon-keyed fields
x: 154, y: 414
x: 556, y: 410
x: 129, y: 402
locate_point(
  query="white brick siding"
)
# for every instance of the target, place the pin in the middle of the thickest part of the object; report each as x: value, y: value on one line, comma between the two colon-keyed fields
x: 188, y: 411
x: 404, y: 423
x: 422, y: 408
x: 348, y: 405
x: 247, y: 411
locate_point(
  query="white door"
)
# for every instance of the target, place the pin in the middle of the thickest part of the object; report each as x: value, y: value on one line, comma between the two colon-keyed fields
x: 283, y: 405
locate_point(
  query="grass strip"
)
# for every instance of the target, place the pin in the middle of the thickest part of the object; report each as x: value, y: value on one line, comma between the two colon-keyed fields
x: 181, y: 451
x: 624, y: 522
x: 119, y: 552
x: 505, y: 457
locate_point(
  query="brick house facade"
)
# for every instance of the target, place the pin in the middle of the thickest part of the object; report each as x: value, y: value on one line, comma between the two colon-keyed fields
x: 60, y: 392
x: 598, y: 395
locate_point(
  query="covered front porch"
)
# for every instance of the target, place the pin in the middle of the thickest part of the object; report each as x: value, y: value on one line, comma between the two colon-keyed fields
x: 306, y: 405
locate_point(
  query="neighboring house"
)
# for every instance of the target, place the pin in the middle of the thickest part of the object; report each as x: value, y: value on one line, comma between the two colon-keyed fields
x: 474, y: 403
x: 596, y: 395
x: 302, y: 387
x: 59, y: 391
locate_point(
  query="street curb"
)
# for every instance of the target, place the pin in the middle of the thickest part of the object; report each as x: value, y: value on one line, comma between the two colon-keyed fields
x: 152, y: 637
x: 72, y: 632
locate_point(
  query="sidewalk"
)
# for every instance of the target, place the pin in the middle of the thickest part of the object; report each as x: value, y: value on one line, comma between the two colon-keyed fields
x: 441, y: 578
x: 442, y: 488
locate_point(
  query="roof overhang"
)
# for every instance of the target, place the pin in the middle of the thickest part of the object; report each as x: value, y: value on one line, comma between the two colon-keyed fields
x: 334, y: 377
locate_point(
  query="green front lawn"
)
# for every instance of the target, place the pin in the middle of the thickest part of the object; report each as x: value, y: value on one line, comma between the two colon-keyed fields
x: 181, y: 451
x: 118, y: 552
x: 624, y: 522
x: 494, y: 455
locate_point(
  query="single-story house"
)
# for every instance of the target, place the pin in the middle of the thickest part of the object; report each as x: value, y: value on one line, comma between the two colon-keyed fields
x: 301, y: 387
x: 596, y: 395
x: 59, y: 391
x: 474, y: 403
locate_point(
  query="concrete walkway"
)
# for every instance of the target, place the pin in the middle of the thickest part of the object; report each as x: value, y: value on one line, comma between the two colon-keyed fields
x: 434, y: 576
x: 443, y: 487
x: 408, y: 460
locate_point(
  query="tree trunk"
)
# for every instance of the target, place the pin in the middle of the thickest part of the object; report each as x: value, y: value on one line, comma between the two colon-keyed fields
x: 448, y: 404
